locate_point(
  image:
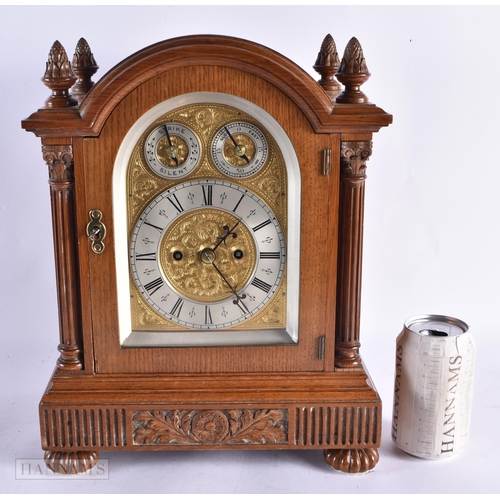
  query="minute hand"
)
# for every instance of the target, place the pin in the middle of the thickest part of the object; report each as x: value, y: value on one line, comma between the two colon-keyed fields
x: 238, y: 298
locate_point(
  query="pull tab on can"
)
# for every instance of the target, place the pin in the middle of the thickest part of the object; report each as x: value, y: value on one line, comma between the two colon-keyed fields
x: 433, y: 333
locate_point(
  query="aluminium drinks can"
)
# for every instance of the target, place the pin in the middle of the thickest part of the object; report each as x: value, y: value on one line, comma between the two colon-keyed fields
x: 433, y: 386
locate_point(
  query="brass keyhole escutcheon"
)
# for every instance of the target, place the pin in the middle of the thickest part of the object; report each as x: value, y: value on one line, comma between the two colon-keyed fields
x: 96, y: 231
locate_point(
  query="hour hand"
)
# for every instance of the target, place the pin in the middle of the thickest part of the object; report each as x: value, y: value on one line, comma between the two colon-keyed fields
x: 229, y: 232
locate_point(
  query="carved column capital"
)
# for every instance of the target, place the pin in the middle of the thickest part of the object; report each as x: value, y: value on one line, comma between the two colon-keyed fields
x: 59, y: 159
x: 353, y: 157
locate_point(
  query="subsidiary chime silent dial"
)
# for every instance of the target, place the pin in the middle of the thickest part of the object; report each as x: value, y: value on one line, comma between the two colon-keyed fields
x: 239, y: 149
x: 172, y: 150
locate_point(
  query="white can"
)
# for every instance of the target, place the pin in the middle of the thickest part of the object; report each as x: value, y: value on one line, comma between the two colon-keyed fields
x: 433, y: 386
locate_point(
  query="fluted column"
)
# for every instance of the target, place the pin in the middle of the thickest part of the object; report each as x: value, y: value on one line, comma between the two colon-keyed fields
x: 353, y: 157
x: 59, y: 159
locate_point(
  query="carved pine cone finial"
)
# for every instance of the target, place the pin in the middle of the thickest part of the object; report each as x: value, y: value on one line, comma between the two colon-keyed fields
x: 83, y: 56
x: 59, y: 77
x: 353, y: 72
x: 327, y: 55
x: 326, y: 65
x: 353, y: 60
x: 58, y: 65
x: 84, y: 66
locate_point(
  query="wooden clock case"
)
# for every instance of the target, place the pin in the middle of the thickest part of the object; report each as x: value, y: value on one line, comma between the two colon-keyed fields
x: 313, y: 395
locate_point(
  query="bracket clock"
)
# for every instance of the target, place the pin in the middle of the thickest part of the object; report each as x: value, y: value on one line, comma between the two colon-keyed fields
x: 207, y: 200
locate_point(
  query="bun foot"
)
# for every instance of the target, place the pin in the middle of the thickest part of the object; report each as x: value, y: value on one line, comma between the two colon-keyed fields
x: 357, y: 461
x: 76, y: 462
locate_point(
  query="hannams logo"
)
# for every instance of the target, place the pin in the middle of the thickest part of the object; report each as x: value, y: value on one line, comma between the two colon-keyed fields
x: 34, y: 468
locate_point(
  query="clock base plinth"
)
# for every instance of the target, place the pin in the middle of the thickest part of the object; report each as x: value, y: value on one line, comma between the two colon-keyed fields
x: 337, y: 412
x: 352, y: 461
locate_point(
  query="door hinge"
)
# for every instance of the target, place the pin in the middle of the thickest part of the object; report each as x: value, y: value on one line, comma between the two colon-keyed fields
x: 327, y: 162
x: 321, y: 347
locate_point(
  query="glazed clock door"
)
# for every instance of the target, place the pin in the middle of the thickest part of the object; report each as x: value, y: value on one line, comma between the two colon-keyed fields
x: 216, y: 247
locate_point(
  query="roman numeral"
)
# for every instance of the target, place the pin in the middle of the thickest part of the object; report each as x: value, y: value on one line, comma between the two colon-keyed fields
x: 145, y: 256
x: 269, y: 255
x: 175, y: 203
x: 262, y: 285
x: 152, y: 225
x: 238, y: 204
x: 261, y: 225
x: 207, y: 194
x: 154, y: 286
x: 208, y: 316
x: 176, y: 310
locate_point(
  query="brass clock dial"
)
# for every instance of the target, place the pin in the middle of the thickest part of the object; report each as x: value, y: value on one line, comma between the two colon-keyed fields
x: 172, y: 150
x: 239, y: 149
x: 207, y: 236
x: 207, y: 254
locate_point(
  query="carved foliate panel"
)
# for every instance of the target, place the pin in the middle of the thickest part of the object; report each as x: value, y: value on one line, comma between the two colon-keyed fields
x: 192, y: 427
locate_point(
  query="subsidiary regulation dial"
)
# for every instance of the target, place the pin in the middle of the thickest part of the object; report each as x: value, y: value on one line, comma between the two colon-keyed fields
x: 172, y: 150
x: 239, y: 149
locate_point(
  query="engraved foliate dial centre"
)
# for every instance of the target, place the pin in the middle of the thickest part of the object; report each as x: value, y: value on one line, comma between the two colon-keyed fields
x: 173, y: 152
x: 240, y: 152
x: 206, y: 254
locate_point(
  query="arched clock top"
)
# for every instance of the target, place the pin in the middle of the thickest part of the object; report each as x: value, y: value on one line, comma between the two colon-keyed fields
x: 85, y: 115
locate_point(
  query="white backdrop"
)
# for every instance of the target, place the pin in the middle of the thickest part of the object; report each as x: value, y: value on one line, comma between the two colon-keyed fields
x: 431, y: 230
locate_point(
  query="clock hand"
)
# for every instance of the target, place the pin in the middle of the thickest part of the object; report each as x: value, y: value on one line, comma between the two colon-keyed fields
x: 238, y: 298
x: 228, y: 232
x: 171, y: 149
x: 210, y: 256
x: 237, y: 148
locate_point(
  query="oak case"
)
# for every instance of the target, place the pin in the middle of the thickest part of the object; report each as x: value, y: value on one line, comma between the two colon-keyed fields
x: 314, y: 393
